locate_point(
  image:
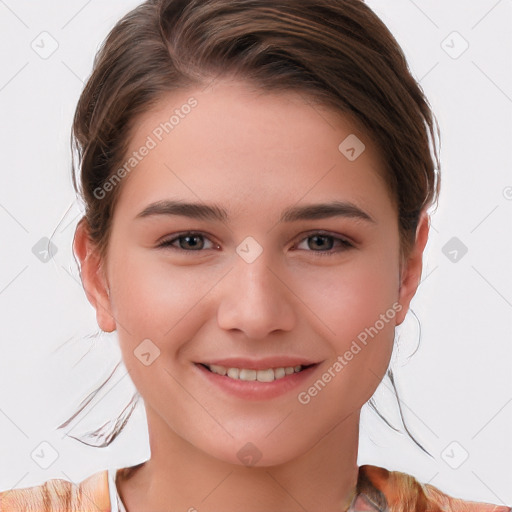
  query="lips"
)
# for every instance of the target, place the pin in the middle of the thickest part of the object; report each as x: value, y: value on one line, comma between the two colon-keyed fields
x: 263, y: 381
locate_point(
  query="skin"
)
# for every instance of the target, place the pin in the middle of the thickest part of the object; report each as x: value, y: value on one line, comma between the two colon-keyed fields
x: 255, y: 155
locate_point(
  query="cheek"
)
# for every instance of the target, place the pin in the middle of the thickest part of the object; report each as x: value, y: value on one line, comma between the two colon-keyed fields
x: 358, y: 307
x: 349, y: 298
x: 152, y: 298
x: 155, y: 301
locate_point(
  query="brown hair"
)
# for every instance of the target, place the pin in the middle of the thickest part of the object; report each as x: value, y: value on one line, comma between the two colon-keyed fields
x: 335, y: 52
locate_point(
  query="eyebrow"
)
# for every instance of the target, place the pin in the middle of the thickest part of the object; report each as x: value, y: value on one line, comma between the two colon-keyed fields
x: 213, y: 212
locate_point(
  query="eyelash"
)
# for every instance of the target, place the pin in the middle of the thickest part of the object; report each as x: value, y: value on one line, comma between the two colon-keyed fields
x: 344, y: 243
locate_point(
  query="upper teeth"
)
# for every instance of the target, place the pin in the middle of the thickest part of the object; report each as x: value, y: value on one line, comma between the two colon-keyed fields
x: 260, y: 375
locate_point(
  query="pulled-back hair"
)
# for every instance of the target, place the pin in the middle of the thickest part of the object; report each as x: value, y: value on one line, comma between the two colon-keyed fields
x: 336, y: 52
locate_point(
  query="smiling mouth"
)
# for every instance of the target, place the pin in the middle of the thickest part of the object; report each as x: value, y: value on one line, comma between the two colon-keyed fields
x: 266, y: 375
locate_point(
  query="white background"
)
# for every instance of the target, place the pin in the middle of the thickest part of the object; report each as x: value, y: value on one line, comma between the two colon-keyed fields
x: 456, y: 388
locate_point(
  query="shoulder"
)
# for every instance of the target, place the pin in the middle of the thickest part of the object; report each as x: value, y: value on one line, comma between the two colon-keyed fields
x: 60, y: 495
x: 402, y: 493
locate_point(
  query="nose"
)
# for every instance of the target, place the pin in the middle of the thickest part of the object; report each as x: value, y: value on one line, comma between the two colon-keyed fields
x: 256, y: 300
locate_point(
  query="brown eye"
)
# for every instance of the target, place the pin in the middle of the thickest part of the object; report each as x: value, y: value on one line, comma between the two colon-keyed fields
x: 322, y: 242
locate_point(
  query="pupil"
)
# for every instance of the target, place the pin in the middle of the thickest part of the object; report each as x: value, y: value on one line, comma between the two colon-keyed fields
x: 188, y: 239
x: 321, y: 238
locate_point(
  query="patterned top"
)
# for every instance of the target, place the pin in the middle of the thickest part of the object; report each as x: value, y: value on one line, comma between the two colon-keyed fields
x: 378, y: 490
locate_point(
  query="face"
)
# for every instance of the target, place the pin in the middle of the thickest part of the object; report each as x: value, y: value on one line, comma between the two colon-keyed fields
x: 291, y: 257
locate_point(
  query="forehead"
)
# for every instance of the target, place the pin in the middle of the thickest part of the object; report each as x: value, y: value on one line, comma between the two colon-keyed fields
x: 246, y: 148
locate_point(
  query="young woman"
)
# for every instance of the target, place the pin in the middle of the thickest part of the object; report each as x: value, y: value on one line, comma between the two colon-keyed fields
x: 257, y: 177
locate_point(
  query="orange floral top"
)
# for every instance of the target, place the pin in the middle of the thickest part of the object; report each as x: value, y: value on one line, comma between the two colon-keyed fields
x: 378, y: 490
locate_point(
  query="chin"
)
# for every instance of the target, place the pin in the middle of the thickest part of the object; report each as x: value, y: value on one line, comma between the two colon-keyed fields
x: 251, y: 454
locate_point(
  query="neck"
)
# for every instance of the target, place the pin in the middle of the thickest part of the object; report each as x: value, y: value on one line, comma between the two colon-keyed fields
x: 324, y: 478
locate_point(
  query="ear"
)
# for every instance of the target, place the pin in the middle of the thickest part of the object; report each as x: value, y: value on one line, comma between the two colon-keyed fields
x: 410, y: 275
x: 93, y: 278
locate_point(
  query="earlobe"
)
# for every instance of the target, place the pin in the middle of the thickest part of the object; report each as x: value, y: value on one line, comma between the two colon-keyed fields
x: 92, y: 276
x: 412, y: 268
